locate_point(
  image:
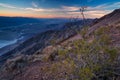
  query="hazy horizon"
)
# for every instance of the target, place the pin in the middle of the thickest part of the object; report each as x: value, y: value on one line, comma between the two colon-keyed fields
x: 56, y: 9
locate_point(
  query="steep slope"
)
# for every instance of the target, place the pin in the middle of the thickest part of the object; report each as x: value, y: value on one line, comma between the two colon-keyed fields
x: 93, y: 54
x: 112, y: 19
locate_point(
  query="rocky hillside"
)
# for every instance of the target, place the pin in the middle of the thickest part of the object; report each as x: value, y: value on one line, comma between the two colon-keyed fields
x: 112, y: 19
x: 92, y: 53
x: 40, y: 41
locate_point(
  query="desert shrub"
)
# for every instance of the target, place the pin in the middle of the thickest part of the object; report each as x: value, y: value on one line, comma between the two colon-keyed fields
x: 15, y: 63
x: 92, y: 59
x: 83, y: 32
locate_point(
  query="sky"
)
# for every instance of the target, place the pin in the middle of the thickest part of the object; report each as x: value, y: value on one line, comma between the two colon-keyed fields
x: 57, y: 8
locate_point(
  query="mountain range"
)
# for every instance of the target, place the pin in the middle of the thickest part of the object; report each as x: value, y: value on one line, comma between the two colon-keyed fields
x: 90, y: 52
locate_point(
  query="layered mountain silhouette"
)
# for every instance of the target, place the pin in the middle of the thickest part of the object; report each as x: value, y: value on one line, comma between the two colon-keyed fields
x: 74, y: 53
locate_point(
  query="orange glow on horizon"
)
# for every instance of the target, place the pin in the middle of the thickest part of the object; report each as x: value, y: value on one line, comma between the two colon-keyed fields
x: 19, y: 14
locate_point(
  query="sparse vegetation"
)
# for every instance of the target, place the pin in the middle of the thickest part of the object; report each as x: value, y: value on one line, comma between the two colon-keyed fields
x: 89, y: 60
x: 77, y: 60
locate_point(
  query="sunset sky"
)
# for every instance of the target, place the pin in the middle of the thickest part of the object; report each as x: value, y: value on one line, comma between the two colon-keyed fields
x: 57, y: 8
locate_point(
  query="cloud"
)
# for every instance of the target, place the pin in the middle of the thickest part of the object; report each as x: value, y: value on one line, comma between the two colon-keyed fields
x: 106, y: 6
x: 112, y: 6
x: 68, y: 11
x: 35, y: 9
x: 97, y: 11
x: 70, y: 8
x: 6, y: 5
x: 34, y: 4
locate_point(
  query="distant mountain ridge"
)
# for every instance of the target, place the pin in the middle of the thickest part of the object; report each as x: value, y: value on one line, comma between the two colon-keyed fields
x: 15, y: 21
